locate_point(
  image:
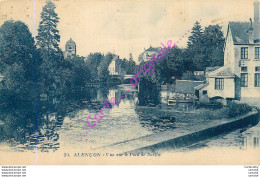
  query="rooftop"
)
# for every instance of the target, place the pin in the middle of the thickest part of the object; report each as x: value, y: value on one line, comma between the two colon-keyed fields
x: 186, y: 86
x: 239, y: 32
x: 224, y: 71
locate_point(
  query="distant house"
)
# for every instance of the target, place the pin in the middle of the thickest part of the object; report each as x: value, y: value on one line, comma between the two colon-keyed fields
x: 198, y: 73
x: 149, y: 53
x: 240, y: 76
x: 115, y: 67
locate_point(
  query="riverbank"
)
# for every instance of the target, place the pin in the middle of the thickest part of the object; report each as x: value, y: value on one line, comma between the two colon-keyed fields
x: 180, y: 137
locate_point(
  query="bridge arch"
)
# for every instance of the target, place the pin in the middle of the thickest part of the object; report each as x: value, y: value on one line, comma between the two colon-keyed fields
x: 126, y: 81
x: 115, y: 81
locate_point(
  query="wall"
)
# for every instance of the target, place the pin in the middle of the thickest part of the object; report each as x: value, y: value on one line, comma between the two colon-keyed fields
x: 229, y: 50
x: 227, y: 92
x: 250, y: 63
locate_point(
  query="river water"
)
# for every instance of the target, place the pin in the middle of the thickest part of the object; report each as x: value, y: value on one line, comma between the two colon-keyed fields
x: 60, y: 125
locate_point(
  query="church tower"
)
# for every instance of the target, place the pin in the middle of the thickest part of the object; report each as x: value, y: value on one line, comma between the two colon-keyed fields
x: 70, y: 49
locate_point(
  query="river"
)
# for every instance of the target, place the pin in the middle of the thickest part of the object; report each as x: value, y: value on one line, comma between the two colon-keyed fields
x: 60, y: 124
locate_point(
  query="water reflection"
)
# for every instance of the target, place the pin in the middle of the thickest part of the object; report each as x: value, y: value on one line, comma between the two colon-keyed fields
x: 61, y: 122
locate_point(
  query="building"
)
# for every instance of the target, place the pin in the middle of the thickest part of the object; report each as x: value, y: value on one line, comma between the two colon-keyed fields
x: 149, y: 53
x: 186, y: 87
x: 198, y: 73
x: 210, y: 69
x: 115, y: 67
x: 240, y: 76
x: 70, y: 49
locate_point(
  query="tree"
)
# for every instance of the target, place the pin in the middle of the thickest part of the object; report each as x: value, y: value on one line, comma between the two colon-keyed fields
x: 205, y: 48
x: 172, y: 65
x: 131, y: 66
x: 48, y: 36
x: 103, y: 72
x: 93, y: 61
x: 214, y: 44
x: 17, y: 62
x: 195, y: 50
x: 79, y: 73
x: 51, y: 68
x: 16, y: 46
x: 195, y: 40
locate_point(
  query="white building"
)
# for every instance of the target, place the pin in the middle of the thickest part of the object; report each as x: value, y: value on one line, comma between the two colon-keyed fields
x: 240, y: 76
x: 114, y: 67
x: 70, y: 49
x: 149, y: 53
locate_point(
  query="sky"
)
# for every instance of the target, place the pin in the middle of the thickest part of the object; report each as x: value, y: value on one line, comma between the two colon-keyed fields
x: 127, y: 26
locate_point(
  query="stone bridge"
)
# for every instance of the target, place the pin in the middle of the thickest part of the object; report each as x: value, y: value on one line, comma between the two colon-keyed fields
x: 120, y: 79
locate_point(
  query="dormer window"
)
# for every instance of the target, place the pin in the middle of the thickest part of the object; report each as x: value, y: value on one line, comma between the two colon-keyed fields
x: 244, y: 52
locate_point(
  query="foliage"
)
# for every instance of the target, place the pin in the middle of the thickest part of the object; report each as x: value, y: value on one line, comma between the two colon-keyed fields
x: 93, y: 61
x: 205, y: 47
x: 128, y: 66
x: 235, y: 109
x: 103, y: 72
x: 17, y: 63
x: 16, y: 46
x: 170, y: 67
x: 188, y: 75
x: 148, y: 92
x: 50, y: 71
x: 48, y: 36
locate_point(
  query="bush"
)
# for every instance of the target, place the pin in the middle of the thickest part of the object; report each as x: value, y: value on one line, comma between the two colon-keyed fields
x: 235, y: 109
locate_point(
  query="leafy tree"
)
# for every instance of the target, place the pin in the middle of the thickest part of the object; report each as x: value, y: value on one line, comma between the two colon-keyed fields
x: 16, y: 46
x: 171, y: 66
x: 205, y: 48
x: 17, y: 62
x: 214, y: 44
x: 188, y: 76
x: 149, y: 92
x: 103, y: 72
x: 93, y: 61
x: 78, y: 75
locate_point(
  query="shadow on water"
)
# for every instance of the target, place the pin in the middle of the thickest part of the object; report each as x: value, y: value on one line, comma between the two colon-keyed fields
x: 22, y: 130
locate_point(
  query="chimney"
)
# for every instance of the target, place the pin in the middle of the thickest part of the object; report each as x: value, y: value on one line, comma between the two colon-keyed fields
x: 256, y: 21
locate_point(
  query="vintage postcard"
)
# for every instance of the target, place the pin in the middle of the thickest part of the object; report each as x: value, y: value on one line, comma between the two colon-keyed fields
x: 129, y: 82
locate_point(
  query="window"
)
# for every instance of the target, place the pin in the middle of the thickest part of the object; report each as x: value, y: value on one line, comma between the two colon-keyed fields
x: 257, y: 79
x: 219, y: 83
x: 205, y: 92
x: 257, y: 56
x: 243, y: 69
x: 244, y: 80
x: 257, y: 68
x: 244, y: 53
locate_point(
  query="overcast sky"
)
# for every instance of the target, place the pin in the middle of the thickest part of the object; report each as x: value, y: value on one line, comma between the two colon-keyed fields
x: 127, y: 25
